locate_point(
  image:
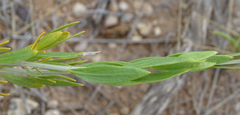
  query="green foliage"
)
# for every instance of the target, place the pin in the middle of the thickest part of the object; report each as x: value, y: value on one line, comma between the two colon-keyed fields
x: 233, y: 41
x: 17, y: 56
x: 21, y: 80
x: 36, y: 68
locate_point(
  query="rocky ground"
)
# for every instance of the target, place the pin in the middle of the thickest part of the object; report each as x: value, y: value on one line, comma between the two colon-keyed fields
x: 125, y: 30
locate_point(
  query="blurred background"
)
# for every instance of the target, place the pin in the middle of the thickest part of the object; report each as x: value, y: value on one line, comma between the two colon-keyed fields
x: 125, y: 30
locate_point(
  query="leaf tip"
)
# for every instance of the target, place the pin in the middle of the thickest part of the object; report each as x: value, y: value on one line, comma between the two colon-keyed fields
x: 3, y: 82
x: 4, y: 94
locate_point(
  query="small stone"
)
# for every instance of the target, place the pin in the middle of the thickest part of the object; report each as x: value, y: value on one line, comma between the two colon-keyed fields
x: 17, y: 106
x: 125, y: 110
x: 112, y: 45
x: 53, y: 112
x: 157, y: 31
x: 53, y: 103
x: 123, y: 6
x: 79, y: 9
x: 111, y: 21
x: 113, y: 6
x: 144, y: 28
x: 146, y: 8
x: 136, y: 38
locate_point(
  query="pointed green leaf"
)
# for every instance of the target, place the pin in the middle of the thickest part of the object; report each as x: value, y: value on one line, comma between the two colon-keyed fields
x: 48, y: 40
x: 227, y: 67
x: 59, y: 54
x: 62, y: 38
x: 175, y: 55
x: 75, y: 35
x: 124, y: 83
x: 236, y: 61
x: 64, y: 26
x: 198, y: 56
x: 155, y: 77
x: 157, y: 61
x: 58, y: 82
x: 60, y: 60
x: 49, y: 76
x: 178, y: 66
x: 3, y: 43
x: 108, y: 73
x: 225, y: 35
x: 3, y: 49
x: 20, y: 80
x: 17, y: 56
x: 234, y: 54
x: 100, y: 64
x: 219, y: 58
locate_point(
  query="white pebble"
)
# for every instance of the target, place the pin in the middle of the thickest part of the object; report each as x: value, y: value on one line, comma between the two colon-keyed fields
x: 157, y: 31
x: 136, y: 38
x: 79, y: 9
x: 144, y: 28
x: 123, y: 6
x: 111, y: 21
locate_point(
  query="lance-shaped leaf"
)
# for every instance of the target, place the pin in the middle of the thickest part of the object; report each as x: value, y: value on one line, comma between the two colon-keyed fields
x: 198, y: 56
x: 58, y: 82
x: 101, y: 64
x: 64, y: 26
x: 234, y: 54
x: 178, y: 66
x: 124, y: 83
x: 219, y: 58
x: 55, y: 82
x: 4, y: 94
x: 225, y: 35
x: 50, y: 76
x: 3, y: 49
x: 61, y: 60
x: 175, y: 55
x: 59, y: 54
x: 227, y: 67
x: 236, y: 61
x: 3, y: 43
x: 108, y: 73
x: 48, y: 40
x: 62, y: 38
x: 155, y: 77
x: 21, y: 80
x: 17, y: 56
x: 157, y: 61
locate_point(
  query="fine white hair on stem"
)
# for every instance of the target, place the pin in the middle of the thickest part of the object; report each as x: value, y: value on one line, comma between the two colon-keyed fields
x: 90, y: 53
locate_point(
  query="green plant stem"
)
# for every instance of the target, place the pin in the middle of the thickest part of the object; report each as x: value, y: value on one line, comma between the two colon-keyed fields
x: 45, y: 66
x: 237, y: 61
x: 23, y: 72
